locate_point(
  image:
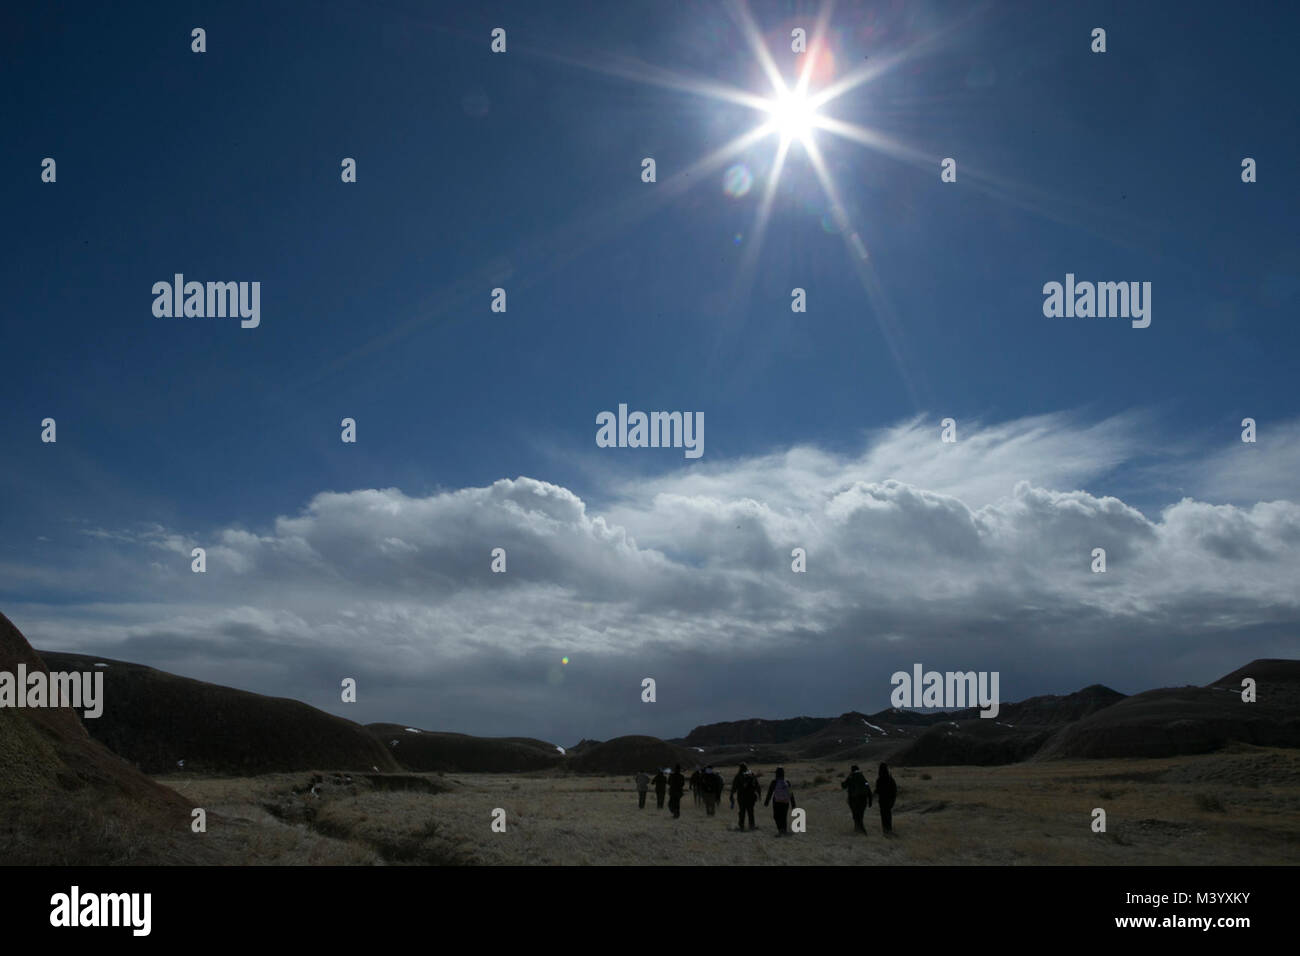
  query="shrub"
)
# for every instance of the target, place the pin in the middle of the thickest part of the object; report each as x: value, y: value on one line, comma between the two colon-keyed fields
x: 1209, y: 803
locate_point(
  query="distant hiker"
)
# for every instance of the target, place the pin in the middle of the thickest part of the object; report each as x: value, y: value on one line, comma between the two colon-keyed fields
x: 642, y: 785
x: 709, y: 789
x: 744, y: 787
x: 781, y: 797
x: 695, y: 785
x: 661, y: 784
x: 676, y: 784
x: 886, y: 792
x: 859, y: 796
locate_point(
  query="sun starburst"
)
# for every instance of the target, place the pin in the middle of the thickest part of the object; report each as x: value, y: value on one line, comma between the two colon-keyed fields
x: 793, y: 115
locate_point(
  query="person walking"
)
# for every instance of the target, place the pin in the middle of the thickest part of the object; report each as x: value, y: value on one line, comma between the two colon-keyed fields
x: 781, y: 797
x: 859, y: 796
x: 886, y: 793
x: 709, y: 789
x: 661, y: 784
x: 642, y: 785
x: 744, y: 790
x: 695, y: 786
x: 676, y: 785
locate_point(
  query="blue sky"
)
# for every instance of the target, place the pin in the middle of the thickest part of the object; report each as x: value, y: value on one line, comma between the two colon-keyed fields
x: 522, y: 170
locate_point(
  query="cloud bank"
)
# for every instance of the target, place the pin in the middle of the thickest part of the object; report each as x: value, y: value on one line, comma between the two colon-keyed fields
x: 975, y: 555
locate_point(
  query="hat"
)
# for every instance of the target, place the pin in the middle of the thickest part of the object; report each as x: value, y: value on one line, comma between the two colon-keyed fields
x: 853, y: 769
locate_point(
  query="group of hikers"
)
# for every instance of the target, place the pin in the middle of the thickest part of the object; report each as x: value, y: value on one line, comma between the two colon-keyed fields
x: 707, y: 786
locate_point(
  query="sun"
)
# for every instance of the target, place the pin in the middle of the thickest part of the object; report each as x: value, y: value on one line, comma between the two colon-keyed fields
x: 793, y: 115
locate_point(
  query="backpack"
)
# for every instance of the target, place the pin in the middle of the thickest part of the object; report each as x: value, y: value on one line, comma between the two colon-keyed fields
x: 781, y: 791
x: 749, y: 785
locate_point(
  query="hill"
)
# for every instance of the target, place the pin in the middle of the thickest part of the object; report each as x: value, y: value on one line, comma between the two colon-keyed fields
x: 1277, y: 681
x: 155, y: 720
x: 630, y: 754
x: 1019, y: 731
x: 65, y: 799
x: 1192, y: 720
x: 905, y: 737
x: 421, y: 750
x: 752, y: 731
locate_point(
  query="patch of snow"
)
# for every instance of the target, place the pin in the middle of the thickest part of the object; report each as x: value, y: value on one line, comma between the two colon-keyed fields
x: 560, y: 749
x: 101, y: 665
x: 701, y: 749
x: 879, y: 730
x: 411, y: 730
x: 393, y: 742
x: 953, y: 722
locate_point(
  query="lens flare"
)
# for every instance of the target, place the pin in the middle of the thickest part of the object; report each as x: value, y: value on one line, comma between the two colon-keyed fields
x: 737, y: 181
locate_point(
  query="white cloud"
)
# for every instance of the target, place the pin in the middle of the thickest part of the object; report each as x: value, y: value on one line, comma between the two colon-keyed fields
x: 911, y: 545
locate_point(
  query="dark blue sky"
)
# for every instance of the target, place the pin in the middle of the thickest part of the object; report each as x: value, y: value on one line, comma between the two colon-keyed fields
x: 522, y: 170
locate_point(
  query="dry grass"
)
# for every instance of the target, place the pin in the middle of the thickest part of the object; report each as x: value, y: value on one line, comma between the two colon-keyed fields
x: 1239, y: 807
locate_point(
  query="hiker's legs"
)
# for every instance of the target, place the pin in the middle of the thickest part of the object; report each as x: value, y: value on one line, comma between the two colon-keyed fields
x: 859, y: 806
x: 887, y: 819
x: 640, y: 799
x: 659, y: 796
x: 779, y: 811
x: 748, y: 809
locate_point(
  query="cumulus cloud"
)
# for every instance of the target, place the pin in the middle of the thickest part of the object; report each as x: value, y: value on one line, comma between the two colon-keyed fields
x: 969, y: 555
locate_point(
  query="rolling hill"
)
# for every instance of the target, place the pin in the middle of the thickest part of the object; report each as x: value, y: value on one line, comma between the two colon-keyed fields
x: 156, y: 720
x: 425, y: 750
x: 630, y: 754
x: 67, y: 799
x: 1191, y: 720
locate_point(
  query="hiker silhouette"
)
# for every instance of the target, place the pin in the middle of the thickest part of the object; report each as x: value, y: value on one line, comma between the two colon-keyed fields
x: 661, y: 784
x: 676, y: 784
x: 744, y: 789
x: 781, y: 796
x: 859, y: 796
x: 886, y: 793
